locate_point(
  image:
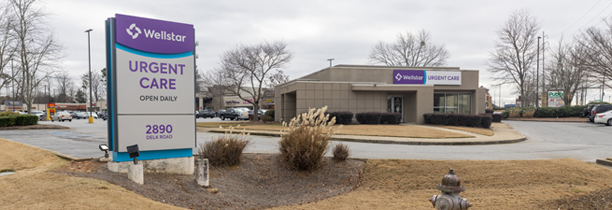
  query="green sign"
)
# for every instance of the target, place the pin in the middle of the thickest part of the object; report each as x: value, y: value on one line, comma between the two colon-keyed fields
x: 555, y: 94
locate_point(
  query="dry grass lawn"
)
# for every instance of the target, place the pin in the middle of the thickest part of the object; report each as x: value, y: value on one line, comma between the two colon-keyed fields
x: 387, y: 184
x: 32, y: 187
x: 408, y: 184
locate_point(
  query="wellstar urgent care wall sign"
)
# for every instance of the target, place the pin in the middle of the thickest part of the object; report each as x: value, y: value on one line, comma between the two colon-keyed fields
x: 151, y: 78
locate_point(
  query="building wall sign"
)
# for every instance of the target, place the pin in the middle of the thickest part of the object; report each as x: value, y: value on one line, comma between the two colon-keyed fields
x: 417, y: 77
x: 151, y: 87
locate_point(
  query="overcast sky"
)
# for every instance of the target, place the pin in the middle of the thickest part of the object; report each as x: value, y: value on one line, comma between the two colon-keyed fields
x: 318, y: 30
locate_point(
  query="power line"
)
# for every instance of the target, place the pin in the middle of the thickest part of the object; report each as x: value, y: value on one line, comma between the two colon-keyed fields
x: 596, y: 16
x: 580, y: 18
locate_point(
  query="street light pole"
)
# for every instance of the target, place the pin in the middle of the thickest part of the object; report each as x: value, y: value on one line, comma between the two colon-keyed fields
x: 330, y: 62
x: 90, y: 92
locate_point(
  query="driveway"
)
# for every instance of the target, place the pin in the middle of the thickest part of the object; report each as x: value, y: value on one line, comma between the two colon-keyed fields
x: 545, y: 140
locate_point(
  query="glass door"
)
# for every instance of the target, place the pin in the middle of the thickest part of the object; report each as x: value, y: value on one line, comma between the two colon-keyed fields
x: 395, y: 104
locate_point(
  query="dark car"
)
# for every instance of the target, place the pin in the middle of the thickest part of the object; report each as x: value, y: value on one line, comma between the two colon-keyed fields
x: 205, y: 114
x: 232, y: 114
x: 587, y: 110
x: 601, y: 108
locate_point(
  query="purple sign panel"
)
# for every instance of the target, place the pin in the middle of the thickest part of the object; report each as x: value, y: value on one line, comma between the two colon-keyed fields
x: 155, y: 36
x: 408, y: 77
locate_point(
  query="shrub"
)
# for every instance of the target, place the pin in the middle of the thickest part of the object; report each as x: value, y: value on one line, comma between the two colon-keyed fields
x: 225, y: 150
x: 306, y: 139
x: 6, y: 114
x: 270, y: 113
x: 390, y: 118
x: 18, y: 120
x: 344, y: 118
x: 341, y: 152
x: 369, y: 118
x: 453, y: 119
x: 266, y: 118
x: 485, y: 121
x: 497, y: 117
x: 489, y: 111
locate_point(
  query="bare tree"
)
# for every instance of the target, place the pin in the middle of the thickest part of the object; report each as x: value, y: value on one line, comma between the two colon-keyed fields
x: 37, y: 50
x: 568, y: 70
x: 515, y: 52
x: 245, y: 70
x: 98, y: 87
x: 410, y: 50
x: 65, y: 86
x: 7, y: 44
x: 277, y: 78
x: 597, y: 42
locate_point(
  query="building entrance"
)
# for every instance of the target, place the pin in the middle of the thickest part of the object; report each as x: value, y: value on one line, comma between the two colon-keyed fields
x: 395, y: 104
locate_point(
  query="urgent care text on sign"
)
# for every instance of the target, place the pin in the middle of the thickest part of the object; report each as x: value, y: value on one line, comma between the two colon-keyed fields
x: 417, y: 77
x: 154, y: 83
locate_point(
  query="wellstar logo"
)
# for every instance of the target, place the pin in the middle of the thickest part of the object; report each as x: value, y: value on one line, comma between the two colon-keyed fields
x: 398, y: 76
x: 133, y: 27
x: 152, y: 34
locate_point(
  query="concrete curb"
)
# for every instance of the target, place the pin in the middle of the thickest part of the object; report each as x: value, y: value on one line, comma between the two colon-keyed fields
x: 412, y: 142
x: 604, y: 162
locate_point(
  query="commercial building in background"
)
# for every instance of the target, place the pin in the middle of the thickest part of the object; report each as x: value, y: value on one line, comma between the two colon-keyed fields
x: 410, y: 91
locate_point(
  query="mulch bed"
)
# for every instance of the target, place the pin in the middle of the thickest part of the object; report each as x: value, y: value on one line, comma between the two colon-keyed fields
x: 32, y: 127
x: 260, y: 181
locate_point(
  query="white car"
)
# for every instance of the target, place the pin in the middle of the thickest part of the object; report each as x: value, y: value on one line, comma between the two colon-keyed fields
x: 38, y: 113
x: 603, y: 118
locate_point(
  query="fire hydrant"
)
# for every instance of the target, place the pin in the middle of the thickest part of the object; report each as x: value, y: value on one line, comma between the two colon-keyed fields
x: 450, y: 200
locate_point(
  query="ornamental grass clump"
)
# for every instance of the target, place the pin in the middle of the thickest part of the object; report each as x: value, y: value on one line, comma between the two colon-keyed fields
x: 306, y: 139
x: 225, y: 150
x: 341, y: 152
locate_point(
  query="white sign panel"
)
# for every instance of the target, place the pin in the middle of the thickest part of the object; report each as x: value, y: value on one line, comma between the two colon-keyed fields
x: 156, y: 133
x: 153, y: 85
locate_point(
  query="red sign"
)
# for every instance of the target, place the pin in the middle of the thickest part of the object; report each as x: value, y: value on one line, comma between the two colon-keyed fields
x: 51, y: 105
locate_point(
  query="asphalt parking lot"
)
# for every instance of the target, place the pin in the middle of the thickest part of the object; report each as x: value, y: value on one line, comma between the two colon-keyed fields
x: 545, y: 140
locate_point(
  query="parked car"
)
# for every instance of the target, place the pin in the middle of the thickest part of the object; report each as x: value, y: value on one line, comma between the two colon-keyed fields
x: 260, y: 111
x: 587, y: 110
x: 220, y: 112
x: 604, y: 118
x: 234, y: 114
x: 205, y: 114
x: 102, y: 115
x: 61, y: 116
x: 80, y: 115
x: 39, y: 114
x: 601, y: 108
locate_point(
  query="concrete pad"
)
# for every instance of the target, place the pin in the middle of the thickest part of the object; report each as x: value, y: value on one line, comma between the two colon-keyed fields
x: 169, y: 166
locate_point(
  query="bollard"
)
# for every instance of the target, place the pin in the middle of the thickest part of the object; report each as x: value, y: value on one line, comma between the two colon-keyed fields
x: 135, y: 173
x: 450, y: 200
x: 201, y: 172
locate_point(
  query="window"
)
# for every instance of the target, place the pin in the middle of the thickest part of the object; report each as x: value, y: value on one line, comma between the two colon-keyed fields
x: 439, y: 102
x: 453, y: 103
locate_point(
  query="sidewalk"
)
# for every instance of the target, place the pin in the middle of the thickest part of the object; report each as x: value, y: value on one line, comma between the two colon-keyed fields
x: 504, y: 134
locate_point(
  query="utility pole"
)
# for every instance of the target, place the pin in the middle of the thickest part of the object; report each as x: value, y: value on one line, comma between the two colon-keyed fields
x: 13, y: 81
x: 538, y: 75
x: 544, y: 66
